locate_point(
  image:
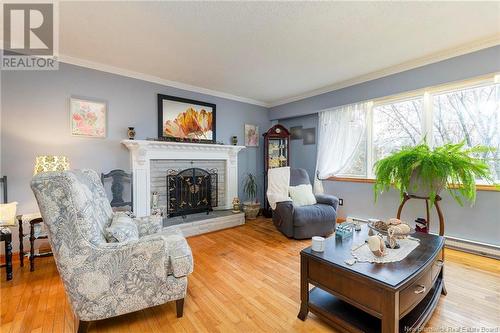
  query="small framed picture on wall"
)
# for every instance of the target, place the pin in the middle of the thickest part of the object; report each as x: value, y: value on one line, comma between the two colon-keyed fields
x: 88, y: 117
x: 251, y: 135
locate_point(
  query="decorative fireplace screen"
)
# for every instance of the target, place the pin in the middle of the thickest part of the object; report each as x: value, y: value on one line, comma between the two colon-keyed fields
x: 190, y: 191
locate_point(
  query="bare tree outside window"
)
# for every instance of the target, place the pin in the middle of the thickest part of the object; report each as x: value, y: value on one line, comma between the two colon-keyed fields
x: 396, y: 125
x: 472, y: 115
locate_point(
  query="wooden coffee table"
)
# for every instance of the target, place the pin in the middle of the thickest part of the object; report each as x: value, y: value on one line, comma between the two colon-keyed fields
x: 366, y: 297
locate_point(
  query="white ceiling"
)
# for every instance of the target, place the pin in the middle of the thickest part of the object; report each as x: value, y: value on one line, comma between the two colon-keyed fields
x: 268, y: 52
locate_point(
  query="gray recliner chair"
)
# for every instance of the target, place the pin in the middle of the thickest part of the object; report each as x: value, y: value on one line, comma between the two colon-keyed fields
x: 306, y: 221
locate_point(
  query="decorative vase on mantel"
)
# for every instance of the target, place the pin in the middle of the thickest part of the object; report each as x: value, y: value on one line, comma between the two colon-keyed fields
x: 131, y: 133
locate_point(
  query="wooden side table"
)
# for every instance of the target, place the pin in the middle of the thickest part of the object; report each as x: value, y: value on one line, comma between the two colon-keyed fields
x: 6, y: 236
x: 33, y: 220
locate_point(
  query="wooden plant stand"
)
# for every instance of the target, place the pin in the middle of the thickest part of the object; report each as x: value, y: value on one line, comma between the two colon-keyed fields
x: 436, y: 204
x: 437, y: 199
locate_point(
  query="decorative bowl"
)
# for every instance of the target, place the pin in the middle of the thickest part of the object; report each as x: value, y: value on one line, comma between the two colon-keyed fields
x: 372, y: 226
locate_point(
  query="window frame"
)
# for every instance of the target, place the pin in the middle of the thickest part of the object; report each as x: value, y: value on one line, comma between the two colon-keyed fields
x: 426, y: 94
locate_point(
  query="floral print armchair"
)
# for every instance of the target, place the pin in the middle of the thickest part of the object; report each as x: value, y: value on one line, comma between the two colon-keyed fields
x: 102, y: 279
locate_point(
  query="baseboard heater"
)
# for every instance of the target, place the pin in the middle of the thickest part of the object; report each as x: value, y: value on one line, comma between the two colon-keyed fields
x: 482, y: 249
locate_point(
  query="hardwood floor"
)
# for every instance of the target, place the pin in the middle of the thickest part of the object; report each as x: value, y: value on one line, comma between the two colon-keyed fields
x: 245, y: 279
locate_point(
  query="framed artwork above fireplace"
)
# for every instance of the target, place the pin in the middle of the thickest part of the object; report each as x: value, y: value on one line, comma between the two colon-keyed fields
x: 185, y: 120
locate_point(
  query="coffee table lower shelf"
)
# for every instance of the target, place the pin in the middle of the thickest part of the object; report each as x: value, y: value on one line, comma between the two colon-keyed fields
x: 348, y: 318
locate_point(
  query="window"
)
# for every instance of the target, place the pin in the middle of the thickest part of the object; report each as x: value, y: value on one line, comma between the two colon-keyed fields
x: 472, y: 115
x: 469, y: 111
x: 396, y: 125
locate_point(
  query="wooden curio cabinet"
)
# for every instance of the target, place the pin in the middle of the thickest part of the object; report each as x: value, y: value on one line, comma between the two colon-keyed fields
x: 276, y: 155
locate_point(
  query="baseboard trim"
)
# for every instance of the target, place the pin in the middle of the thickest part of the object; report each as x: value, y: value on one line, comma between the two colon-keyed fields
x: 482, y: 249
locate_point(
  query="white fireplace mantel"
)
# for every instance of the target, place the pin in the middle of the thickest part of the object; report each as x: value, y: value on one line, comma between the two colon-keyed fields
x: 143, y: 151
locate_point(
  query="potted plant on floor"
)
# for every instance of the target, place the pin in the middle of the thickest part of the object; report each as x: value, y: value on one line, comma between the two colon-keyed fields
x: 251, y: 207
x: 424, y: 172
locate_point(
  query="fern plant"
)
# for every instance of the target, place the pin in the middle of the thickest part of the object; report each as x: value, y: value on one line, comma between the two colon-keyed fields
x: 452, y: 165
x: 250, y: 187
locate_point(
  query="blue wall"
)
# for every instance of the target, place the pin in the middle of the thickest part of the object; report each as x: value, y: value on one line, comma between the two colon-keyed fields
x: 307, y: 153
x: 459, y: 68
x: 35, y: 121
x: 479, y: 223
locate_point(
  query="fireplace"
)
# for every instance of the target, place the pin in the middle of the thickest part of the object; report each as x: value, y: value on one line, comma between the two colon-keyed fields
x: 150, y: 161
x: 191, y: 191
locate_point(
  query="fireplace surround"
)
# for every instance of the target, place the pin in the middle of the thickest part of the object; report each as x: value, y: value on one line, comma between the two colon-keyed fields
x: 144, y: 152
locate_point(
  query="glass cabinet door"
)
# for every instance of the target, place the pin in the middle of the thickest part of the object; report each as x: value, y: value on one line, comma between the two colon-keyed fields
x: 277, y: 152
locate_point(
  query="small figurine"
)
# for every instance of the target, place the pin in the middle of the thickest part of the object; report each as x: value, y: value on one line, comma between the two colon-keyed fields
x: 155, y: 197
x: 236, y: 205
x: 421, y: 225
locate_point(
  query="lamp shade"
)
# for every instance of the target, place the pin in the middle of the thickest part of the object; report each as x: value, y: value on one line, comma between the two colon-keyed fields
x: 50, y: 163
x: 8, y: 214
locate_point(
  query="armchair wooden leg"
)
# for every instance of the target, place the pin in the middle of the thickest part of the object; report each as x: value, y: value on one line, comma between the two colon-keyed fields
x: 83, y: 326
x: 179, y: 306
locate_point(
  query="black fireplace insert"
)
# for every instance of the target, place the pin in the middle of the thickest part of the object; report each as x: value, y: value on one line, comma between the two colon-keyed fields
x: 191, y: 191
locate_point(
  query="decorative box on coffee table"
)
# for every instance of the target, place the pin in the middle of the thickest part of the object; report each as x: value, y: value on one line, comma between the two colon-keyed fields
x: 366, y: 297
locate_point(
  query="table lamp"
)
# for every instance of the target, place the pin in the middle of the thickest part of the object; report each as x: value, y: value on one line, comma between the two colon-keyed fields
x: 8, y: 214
x: 46, y: 163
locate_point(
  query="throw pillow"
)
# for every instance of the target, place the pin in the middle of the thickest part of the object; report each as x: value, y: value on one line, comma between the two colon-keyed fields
x: 149, y: 225
x: 302, y: 195
x: 122, y: 229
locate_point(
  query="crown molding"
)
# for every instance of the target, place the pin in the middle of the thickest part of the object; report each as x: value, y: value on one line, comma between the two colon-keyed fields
x: 154, y: 79
x: 151, y: 78
x: 429, y: 59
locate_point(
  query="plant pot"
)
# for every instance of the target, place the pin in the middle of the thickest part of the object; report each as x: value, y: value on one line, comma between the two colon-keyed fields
x: 423, y: 189
x: 251, y: 210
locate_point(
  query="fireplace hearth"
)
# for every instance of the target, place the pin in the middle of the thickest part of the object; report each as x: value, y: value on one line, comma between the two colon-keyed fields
x: 191, y: 191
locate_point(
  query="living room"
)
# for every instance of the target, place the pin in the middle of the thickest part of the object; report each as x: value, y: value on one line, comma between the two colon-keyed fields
x: 250, y: 166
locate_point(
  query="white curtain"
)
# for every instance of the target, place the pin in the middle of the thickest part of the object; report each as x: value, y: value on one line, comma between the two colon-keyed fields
x: 340, y: 132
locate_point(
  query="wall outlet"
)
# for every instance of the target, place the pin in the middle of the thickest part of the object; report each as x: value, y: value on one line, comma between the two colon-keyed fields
x: 341, y: 202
